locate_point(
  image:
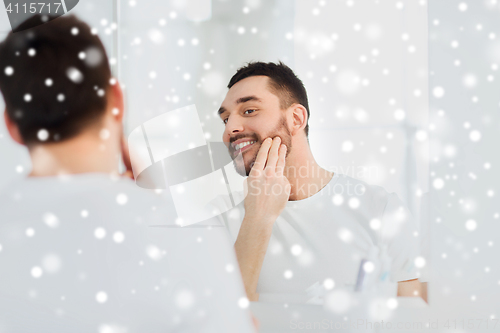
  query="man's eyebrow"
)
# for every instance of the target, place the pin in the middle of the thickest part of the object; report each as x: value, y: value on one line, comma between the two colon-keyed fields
x: 239, y: 101
x: 221, y: 110
x: 247, y: 98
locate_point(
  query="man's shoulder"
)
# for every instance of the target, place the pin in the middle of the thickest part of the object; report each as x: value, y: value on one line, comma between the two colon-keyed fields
x: 349, y: 187
x: 107, y: 196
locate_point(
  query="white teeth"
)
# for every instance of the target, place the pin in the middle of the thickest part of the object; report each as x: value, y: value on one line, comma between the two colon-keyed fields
x: 243, y: 144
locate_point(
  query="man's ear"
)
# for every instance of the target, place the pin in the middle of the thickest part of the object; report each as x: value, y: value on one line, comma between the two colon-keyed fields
x: 299, y: 117
x: 13, y: 129
x: 116, y: 101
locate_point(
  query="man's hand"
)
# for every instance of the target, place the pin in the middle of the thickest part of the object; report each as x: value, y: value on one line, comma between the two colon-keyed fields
x: 413, y: 288
x: 267, y: 192
x: 266, y: 189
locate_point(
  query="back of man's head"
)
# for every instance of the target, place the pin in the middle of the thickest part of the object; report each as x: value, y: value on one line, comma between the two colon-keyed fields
x: 54, y: 79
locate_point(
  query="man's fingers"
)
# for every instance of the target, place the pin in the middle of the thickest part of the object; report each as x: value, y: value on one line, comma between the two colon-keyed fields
x: 261, y: 158
x: 281, y: 160
x: 273, y: 154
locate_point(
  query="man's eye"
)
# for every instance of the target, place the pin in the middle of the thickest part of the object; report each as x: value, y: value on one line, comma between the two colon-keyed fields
x: 250, y: 110
x: 224, y: 121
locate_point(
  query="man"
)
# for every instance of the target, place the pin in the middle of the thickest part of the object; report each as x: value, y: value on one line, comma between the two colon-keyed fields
x: 78, y: 252
x: 301, y: 225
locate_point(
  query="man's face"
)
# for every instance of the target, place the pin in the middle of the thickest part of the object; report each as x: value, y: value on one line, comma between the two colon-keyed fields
x: 252, y: 113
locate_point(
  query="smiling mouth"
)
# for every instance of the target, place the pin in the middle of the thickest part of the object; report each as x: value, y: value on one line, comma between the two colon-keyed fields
x: 244, y: 148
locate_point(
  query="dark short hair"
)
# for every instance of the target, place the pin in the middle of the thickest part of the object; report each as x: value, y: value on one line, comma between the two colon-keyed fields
x: 283, y: 83
x: 54, y: 76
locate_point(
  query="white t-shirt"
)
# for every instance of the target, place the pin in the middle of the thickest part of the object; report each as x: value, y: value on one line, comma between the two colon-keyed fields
x: 80, y: 254
x: 326, y: 235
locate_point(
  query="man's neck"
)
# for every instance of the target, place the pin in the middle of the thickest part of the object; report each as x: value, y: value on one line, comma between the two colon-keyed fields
x: 306, y: 177
x: 86, y: 153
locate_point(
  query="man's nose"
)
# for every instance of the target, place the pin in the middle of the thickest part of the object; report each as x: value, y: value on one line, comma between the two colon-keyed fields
x: 233, y: 125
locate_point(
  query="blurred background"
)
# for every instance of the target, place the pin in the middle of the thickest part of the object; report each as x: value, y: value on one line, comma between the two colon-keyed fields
x: 464, y: 45
x: 364, y: 65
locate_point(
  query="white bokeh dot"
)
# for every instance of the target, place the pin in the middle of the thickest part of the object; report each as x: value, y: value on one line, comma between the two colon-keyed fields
x: 469, y: 80
x: 345, y: 235
x: 184, y: 299
x: 438, y: 183
x: 101, y: 297
x: 118, y: 237
x: 42, y: 134
x: 392, y: 303
x: 296, y: 249
x: 36, y: 272
x: 368, y: 267
x: 153, y: 252
x: 419, y: 262
x: 50, y: 220
x: 104, y: 134
x: 243, y: 302
x: 421, y: 135
x: 399, y: 114
x: 438, y: 92
x: 100, y: 233
x: 375, y: 224
x: 74, y: 74
x: 475, y: 135
x: 328, y: 284
x: 121, y: 199
x: 9, y: 70
x: 354, y: 203
x: 347, y: 146
x: 337, y: 199
x: 471, y: 225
